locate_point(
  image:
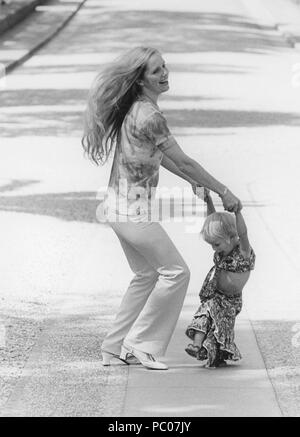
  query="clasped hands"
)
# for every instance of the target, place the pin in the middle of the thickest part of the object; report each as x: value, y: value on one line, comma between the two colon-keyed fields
x: 230, y: 202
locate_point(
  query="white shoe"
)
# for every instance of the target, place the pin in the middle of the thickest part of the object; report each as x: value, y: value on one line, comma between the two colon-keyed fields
x: 108, y: 356
x: 147, y: 360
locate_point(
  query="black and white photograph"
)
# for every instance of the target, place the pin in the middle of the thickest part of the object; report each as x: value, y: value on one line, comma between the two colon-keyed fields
x: 149, y: 211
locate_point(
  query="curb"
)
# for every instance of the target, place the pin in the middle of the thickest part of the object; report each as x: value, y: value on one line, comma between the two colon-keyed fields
x: 15, y: 63
x: 14, y: 17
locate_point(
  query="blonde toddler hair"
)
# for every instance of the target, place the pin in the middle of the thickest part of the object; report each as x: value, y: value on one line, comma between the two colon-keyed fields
x: 219, y: 225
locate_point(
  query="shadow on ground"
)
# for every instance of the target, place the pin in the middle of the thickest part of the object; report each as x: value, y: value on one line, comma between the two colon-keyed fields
x: 82, y: 206
x: 66, y: 123
x: 113, y: 30
x: 172, y: 31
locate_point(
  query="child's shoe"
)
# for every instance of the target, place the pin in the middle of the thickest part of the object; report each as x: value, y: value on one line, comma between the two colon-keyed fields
x: 196, y: 351
x: 192, y: 350
x: 202, y: 354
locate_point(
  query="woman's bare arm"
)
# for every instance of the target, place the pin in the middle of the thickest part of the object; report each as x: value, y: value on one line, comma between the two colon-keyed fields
x: 195, y: 171
x: 168, y: 164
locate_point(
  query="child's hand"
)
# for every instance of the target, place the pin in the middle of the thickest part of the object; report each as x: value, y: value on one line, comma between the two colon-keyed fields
x: 197, y: 190
x: 239, y: 207
x: 207, y: 196
x: 195, y: 186
x: 200, y: 192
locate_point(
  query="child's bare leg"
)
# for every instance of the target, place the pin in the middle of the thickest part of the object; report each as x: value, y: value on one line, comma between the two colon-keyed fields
x: 199, y: 338
x: 195, y: 349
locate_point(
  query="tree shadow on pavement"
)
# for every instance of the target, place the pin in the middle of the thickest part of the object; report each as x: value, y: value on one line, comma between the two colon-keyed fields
x: 14, y: 184
x: 46, y: 97
x: 76, y: 206
x: 80, y: 206
x: 112, y: 30
x: 172, y: 31
x: 69, y: 122
x: 206, y: 118
x: 96, y: 66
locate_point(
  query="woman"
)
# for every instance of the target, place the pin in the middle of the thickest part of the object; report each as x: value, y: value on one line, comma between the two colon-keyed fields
x: 123, y: 115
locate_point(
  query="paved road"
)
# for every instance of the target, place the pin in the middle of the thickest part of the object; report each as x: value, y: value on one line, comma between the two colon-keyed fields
x: 231, y: 105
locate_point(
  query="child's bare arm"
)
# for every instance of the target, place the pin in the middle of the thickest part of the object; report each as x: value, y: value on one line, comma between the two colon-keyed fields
x: 204, y: 194
x: 210, y: 207
x: 242, y: 232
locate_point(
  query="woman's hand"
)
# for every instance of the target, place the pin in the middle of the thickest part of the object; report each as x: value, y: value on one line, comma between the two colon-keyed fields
x: 230, y: 202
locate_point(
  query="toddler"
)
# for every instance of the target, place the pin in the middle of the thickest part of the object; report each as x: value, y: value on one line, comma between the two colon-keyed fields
x: 212, y: 327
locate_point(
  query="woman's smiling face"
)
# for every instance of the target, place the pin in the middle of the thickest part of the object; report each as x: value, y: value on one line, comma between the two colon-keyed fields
x: 155, y: 80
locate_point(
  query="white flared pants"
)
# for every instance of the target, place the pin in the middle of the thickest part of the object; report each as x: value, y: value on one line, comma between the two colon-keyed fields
x: 151, y: 306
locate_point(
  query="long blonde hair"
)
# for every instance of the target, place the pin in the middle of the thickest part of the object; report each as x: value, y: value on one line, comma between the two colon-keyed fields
x: 112, y: 93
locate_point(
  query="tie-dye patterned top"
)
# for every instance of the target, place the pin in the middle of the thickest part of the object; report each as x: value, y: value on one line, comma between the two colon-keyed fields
x: 135, y: 170
x: 235, y: 261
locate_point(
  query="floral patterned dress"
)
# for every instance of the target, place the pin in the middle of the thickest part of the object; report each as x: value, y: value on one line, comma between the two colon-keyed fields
x: 217, y: 312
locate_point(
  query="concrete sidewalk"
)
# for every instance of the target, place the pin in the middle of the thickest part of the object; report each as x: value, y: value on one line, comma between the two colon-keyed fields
x: 40, y: 20
x: 189, y: 389
x: 38, y: 23
x: 64, y: 377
